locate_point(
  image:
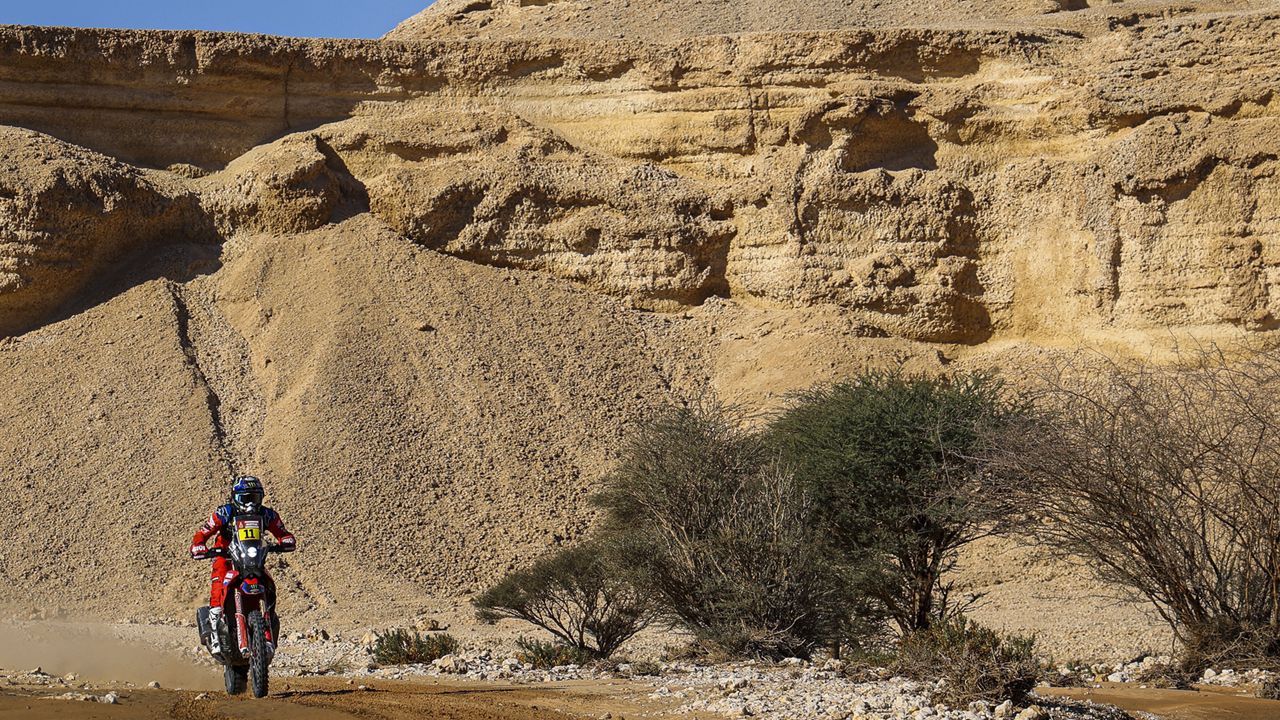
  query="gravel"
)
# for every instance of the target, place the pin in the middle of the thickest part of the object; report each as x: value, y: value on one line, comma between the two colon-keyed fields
x: 1146, y: 668
x: 791, y: 690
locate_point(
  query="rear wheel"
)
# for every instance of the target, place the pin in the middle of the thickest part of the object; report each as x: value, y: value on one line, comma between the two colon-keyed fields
x: 258, y: 659
x: 235, y: 678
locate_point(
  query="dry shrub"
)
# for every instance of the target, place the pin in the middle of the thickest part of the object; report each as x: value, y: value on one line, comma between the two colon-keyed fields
x: 1229, y: 642
x: 975, y: 662
x: 574, y: 595
x: 1166, y: 481
x: 645, y: 668
x: 544, y: 655
x: 1173, y: 675
x: 405, y: 647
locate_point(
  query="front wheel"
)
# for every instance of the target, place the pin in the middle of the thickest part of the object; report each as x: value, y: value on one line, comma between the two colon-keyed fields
x: 235, y: 678
x: 258, y: 659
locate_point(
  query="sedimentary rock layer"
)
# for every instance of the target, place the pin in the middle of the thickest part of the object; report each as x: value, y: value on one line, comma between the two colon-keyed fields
x: 943, y: 185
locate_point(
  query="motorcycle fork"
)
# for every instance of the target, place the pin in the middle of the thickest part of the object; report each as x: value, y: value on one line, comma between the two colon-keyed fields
x: 241, y: 625
x: 266, y: 618
x: 268, y: 605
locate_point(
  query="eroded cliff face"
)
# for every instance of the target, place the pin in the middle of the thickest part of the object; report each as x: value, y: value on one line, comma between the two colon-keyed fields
x: 940, y: 185
x: 68, y: 213
x: 392, y: 275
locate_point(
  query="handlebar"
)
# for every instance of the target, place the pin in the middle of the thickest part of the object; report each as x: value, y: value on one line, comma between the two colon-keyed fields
x: 223, y: 552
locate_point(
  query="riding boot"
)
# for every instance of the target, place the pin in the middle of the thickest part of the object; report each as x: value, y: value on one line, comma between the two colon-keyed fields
x: 215, y: 630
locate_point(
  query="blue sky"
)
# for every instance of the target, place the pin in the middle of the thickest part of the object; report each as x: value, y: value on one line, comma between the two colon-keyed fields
x: 302, y: 18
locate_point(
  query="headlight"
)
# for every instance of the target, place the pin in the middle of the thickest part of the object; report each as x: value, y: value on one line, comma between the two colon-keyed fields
x: 253, y: 552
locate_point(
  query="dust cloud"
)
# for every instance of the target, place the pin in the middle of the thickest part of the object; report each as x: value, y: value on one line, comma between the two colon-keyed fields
x: 97, y: 655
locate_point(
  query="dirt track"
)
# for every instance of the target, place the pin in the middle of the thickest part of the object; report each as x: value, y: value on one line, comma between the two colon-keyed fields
x: 335, y: 699
x: 1218, y: 704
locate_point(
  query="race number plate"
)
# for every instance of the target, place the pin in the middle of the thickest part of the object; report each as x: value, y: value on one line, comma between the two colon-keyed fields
x: 249, y: 529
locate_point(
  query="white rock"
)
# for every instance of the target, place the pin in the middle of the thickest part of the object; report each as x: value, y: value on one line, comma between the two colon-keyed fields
x: 451, y: 664
x: 1032, y: 713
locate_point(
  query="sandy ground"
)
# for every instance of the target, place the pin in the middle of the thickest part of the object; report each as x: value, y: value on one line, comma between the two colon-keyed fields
x: 1209, y: 704
x: 103, y: 660
x: 333, y: 698
x: 336, y: 698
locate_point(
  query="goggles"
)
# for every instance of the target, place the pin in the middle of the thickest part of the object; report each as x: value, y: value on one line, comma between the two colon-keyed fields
x: 245, y: 498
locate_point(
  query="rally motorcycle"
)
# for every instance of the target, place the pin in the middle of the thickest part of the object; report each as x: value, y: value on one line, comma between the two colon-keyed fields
x: 245, y: 637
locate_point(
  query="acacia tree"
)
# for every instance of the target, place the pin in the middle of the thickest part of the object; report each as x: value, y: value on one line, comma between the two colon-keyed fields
x: 891, y: 461
x: 1166, y: 482
x: 724, y: 537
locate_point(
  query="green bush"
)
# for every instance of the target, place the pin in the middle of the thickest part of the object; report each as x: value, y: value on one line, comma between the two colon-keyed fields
x: 975, y: 662
x: 889, y: 461
x: 544, y: 655
x: 576, y: 596
x: 405, y: 647
x: 724, y: 538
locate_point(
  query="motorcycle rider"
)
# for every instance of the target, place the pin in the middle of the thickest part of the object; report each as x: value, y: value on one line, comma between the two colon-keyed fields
x: 246, y: 499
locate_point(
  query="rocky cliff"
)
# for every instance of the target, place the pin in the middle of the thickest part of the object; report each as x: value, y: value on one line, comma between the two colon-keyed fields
x: 414, y: 282
x: 941, y: 185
